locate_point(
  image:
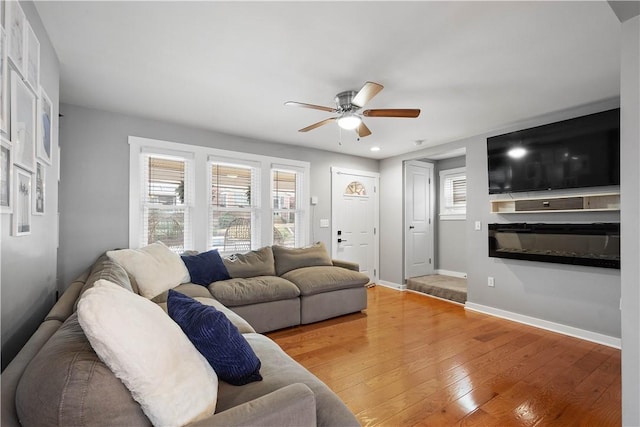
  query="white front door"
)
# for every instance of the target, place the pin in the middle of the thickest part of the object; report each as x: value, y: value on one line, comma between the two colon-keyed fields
x: 418, y: 233
x: 354, y: 212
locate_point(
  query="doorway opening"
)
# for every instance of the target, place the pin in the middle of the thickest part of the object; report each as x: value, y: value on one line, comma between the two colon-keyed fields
x: 446, y: 248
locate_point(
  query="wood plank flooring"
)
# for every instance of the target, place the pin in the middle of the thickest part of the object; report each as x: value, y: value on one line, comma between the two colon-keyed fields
x: 412, y: 360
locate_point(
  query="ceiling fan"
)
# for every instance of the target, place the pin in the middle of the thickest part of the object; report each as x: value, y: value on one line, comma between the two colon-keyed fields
x: 348, y: 104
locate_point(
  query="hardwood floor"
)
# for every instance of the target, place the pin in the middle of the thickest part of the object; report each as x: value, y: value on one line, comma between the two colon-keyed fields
x: 412, y: 360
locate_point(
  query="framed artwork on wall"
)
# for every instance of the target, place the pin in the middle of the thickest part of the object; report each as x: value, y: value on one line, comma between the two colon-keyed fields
x: 4, y: 119
x: 38, y: 191
x: 23, y: 123
x: 32, y: 58
x: 22, y: 203
x: 15, y: 26
x: 6, y: 176
x: 45, y: 125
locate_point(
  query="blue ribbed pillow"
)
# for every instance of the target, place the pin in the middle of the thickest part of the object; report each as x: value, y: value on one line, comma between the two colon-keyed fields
x: 206, y: 268
x: 219, y: 341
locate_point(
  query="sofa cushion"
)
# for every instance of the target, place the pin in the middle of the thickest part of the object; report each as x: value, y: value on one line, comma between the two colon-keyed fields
x: 189, y: 289
x: 239, y: 322
x: 173, y: 383
x: 279, y: 370
x: 251, y: 264
x: 66, y: 384
x: 206, y: 267
x: 155, y: 267
x: 216, y: 338
x: 288, y: 259
x: 315, y: 280
x: 235, y: 292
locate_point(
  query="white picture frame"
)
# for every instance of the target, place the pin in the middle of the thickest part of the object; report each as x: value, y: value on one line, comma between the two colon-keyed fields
x: 15, y: 26
x: 32, y: 58
x: 22, y: 203
x: 44, y: 144
x: 6, y: 176
x: 39, y: 190
x: 4, y: 93
x: 23, y: 123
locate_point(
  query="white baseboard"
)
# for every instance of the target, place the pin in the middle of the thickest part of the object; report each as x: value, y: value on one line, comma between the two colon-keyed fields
x: 391, y: 285
x: 545, y: 324
x: 434, y: 297
x: 451, y: 273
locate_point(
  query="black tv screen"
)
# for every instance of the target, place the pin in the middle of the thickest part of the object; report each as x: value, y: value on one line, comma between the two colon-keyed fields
x: 575, y: 153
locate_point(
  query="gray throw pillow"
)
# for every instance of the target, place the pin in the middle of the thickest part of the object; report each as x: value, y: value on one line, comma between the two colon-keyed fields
x: 251, y: 264
x: 288, y: 259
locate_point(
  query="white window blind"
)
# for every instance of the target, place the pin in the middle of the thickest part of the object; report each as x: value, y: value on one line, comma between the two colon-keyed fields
x: 453, y: 194
x: 166, y: 191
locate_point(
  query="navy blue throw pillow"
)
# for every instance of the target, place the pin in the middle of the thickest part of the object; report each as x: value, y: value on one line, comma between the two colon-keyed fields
x: 219, y: 341
x: 206, y: 268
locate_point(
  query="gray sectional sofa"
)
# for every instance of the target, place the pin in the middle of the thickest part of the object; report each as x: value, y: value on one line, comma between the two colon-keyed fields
x: 58, y: 379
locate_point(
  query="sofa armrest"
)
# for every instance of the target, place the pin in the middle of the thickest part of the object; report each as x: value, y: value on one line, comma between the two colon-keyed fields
x: 293, y: 405
x: 346, y: 264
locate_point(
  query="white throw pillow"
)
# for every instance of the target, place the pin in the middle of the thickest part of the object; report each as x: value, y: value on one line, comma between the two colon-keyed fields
x: 155, y: 267
x: 173, y: 383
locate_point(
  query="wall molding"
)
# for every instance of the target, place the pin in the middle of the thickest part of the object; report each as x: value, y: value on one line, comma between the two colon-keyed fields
x: 391, y: 285
x: 547, y: 325
x: 451, y: 273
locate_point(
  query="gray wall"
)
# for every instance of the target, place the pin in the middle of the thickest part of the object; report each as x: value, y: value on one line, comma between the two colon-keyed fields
x: 451, y: 235
x: 28, y: 263
x: 630, y: 185
x: 94, y: 187
x: 583, y: 297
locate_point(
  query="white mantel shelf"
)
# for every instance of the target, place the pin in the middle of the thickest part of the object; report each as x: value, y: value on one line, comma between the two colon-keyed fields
x: 569, y: 203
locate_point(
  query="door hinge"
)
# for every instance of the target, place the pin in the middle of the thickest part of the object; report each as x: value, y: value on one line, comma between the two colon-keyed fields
x: 429, y: 260
x: 374, y: 230
x: 429, y: 220
x: 429, y: 180
x: 375, y: 189
x: 374, y: 272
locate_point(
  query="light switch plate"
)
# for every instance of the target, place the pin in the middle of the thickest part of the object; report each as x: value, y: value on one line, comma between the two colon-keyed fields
x: 324, y: 223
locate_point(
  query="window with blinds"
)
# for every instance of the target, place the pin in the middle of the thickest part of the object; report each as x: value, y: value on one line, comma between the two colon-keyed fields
x: 453, y: 194
x: 201, y: 198
x: 285, y: 206
x: 166, y: 201
x: 233, y: 207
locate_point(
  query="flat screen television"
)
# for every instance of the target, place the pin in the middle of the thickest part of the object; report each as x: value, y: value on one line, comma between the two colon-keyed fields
x: 575, y: 153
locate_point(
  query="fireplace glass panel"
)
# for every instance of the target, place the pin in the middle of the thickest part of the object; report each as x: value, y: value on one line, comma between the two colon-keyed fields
x: 595, y: 245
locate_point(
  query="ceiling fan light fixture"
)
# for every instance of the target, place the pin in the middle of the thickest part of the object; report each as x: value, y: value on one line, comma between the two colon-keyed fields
x: 349, y: 121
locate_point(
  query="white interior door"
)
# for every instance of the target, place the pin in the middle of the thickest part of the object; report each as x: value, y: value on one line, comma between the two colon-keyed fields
x: 418, y: 232
x: 354, y: 212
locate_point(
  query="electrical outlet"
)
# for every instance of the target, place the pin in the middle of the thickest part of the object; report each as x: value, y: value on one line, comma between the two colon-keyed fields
x: 491, y: 282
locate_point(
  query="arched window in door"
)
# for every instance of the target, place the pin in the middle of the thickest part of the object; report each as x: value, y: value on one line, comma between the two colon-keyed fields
x: 355, y: 188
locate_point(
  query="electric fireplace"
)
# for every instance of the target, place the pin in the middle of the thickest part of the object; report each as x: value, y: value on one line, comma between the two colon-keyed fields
x: 595, y: 245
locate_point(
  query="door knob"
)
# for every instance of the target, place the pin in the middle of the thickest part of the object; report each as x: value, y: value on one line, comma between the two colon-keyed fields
x: 341, y: 240
x: 411, y: 227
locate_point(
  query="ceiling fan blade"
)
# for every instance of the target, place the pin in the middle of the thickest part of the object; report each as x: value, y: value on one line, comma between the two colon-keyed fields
x: 363, y: 130
x: 317, y: 125
x: 366, y: 93
x: 392, y: 112
x: 312, y: 106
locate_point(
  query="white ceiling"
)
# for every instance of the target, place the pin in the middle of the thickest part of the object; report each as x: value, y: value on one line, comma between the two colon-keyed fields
x: 471, y: 67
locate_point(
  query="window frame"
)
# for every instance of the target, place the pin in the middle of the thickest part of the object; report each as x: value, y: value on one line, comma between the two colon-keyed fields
x: 200, y: 206
x: 449, y: 212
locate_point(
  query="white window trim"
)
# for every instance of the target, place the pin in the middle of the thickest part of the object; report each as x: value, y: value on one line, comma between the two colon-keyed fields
x: 451, y: 214
x: 201, y: 156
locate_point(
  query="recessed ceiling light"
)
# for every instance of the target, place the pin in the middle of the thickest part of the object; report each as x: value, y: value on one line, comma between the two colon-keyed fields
x: 375, y: 148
